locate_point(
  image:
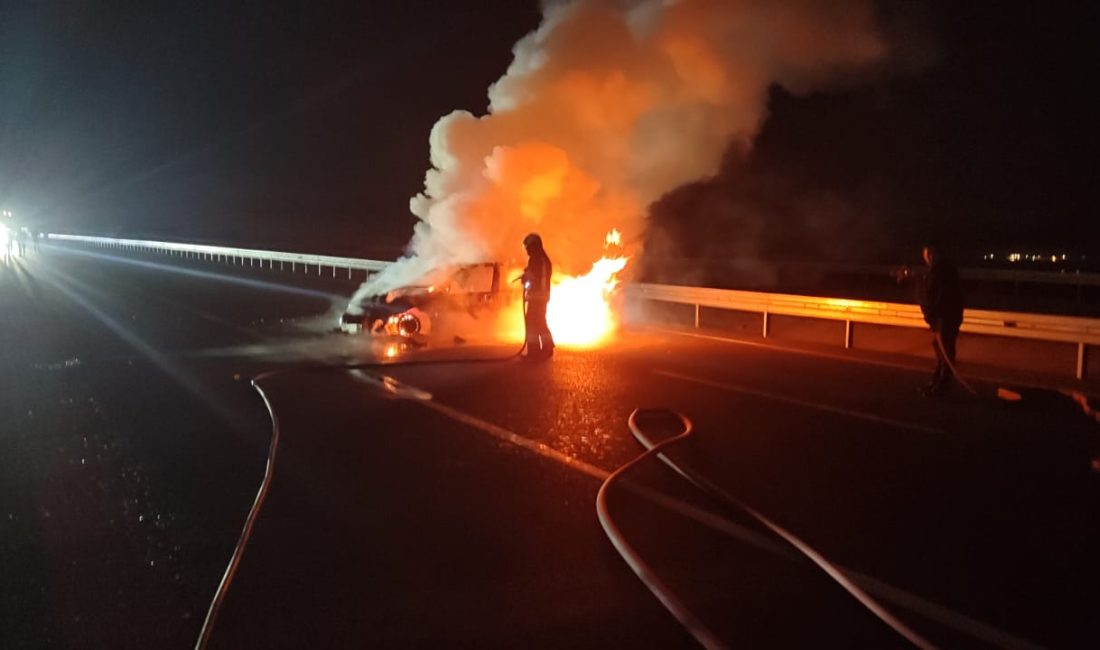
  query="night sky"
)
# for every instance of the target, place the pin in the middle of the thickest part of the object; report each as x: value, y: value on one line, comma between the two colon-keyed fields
x: 306, y: 126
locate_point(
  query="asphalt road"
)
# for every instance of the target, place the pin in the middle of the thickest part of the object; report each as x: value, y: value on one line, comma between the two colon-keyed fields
x: 447, y: 497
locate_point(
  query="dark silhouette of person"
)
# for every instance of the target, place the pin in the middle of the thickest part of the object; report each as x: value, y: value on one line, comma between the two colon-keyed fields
x: 22, y: 236
x: 536, y: 295
x: 941, y: 303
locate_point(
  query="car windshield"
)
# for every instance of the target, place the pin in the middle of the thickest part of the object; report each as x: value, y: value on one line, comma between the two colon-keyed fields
x: 473, y: 279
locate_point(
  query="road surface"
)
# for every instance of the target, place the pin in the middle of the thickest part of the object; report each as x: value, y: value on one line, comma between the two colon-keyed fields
x: 447, y: 497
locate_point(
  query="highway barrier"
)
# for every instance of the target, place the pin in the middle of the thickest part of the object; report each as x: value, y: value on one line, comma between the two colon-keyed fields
x: 1082, y: 332
x: 249, y: 256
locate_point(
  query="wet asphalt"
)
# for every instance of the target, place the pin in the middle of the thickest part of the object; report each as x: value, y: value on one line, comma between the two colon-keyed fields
x: 463, y: 513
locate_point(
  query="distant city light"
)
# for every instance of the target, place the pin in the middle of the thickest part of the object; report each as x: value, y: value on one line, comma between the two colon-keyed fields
x: 1053, y: 258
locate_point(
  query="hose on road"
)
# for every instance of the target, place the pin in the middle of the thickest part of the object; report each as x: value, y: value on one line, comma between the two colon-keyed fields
x: 249, y: 522
x: 938, y: 339
x: 699, y: 630
x: 667, y: 598
x: 269, y: 471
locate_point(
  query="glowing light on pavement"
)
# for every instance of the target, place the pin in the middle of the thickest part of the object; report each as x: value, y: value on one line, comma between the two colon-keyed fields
x: 581, y: 312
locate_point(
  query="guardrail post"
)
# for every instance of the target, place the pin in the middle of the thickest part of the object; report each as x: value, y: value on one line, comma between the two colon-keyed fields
x: 696, y: 315
x: 847, y: 334
x: 1081, y: 360
x: 765, y: 331
x: 334, y: 270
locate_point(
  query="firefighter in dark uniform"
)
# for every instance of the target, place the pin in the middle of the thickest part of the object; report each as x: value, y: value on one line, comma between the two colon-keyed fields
x: 536, y: 295
x: 941, y: 303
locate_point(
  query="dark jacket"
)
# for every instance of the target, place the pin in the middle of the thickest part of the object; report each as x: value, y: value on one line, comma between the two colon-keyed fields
x: 536, y: 277
x: 941, y: 299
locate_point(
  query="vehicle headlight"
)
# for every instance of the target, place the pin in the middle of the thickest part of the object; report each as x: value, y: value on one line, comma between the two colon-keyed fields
x: 406, y: 324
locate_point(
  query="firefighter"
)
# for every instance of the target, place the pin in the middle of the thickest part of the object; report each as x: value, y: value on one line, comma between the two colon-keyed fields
x: 941, y: 303
x: 536, y: 295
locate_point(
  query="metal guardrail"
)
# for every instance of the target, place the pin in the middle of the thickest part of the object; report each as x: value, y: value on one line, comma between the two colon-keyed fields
x: 1065, y: 329
x: 225, y: 253
x: 1014, y: 276
x: 1083, y: 332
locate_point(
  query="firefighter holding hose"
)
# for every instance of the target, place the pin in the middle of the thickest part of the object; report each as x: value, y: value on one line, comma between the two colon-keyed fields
x: 536, y: 295
x: 941, y: 303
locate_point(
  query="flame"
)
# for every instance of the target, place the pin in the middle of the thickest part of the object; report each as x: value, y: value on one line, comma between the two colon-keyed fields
x: 614, y: 238
x: 581, y: 313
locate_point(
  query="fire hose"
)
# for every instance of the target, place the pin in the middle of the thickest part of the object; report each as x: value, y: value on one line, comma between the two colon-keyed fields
x: 697, y: 629
x: 694, y: 626
x: 942, y: 349
x: 269, y: 471
x: 249, y: 522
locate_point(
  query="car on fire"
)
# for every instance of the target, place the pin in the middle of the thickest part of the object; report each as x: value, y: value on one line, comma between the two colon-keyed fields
x: 447, y: 302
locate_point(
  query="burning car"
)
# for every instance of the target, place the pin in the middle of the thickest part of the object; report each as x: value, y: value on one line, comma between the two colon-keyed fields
x: 448, y: 302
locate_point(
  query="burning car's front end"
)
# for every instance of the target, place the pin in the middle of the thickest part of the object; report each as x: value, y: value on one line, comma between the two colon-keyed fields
x: 415, y: 313
x: 392, y: 315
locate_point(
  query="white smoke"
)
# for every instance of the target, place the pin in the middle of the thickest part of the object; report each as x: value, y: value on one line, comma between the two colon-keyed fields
x: 607, y: 106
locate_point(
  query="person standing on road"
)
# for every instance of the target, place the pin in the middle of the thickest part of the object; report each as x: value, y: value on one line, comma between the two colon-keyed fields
x: 536, y: 295
x: 21, y: 236
x: 941, y: 303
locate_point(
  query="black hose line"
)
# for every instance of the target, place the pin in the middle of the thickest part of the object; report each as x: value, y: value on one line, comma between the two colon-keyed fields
x: 269, y: 470
x: 699, y: 631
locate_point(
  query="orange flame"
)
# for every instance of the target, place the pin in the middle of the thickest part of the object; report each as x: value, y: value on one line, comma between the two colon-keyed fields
x: 614, y: 238
x: 580, y: 313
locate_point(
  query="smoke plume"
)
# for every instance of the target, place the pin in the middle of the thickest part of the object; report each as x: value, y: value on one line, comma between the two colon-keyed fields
x: 607, y: 106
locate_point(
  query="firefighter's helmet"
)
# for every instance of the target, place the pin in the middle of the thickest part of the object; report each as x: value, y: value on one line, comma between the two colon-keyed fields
x: 532, y: 241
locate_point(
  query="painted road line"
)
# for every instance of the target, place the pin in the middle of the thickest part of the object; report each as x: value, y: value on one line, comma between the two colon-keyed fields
x: 782, y: 348
x: 542, y: 449
x: 392, y: 386
x: 972, y: 375
x: 819, y: 406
